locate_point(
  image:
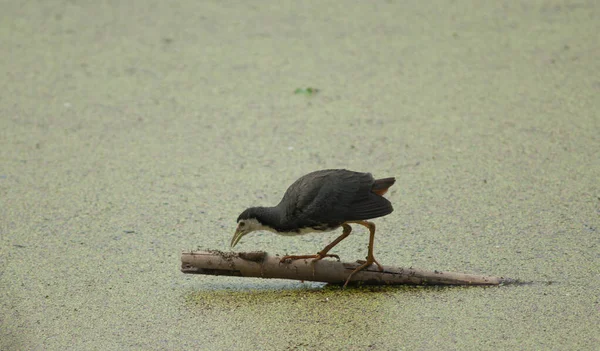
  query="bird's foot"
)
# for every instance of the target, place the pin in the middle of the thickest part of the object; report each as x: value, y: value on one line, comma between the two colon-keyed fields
x: 364, y: 265
x: 320, y: 257
x: 289, y: 258
x: 317, y: 257
x: 379, y: 266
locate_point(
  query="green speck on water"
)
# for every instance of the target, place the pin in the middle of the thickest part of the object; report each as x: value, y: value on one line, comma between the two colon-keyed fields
x: 306, y: 91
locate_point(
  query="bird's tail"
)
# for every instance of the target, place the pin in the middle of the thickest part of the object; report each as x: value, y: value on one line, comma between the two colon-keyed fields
x: 381, y: 186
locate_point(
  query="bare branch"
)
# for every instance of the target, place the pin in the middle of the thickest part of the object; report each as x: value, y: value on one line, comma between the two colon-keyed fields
x: 262, y: 265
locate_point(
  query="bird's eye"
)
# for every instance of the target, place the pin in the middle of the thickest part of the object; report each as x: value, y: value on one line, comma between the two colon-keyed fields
x: 242, y: 224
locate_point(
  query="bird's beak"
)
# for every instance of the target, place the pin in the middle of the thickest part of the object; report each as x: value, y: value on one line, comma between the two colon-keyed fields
x: 237, y: 236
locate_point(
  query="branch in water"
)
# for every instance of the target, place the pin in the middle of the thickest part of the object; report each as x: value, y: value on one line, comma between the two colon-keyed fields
x: 262, y: 265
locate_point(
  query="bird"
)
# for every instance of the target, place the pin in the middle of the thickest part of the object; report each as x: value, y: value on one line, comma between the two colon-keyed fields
x: 323, y: 201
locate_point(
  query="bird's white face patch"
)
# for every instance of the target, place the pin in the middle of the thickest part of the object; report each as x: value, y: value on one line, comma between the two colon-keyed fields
x: 250, y: 225
x: 244, y: 227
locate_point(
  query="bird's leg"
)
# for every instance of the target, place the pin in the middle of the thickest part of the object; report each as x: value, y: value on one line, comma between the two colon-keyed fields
x: 370, y: 258
x: 323, y: 253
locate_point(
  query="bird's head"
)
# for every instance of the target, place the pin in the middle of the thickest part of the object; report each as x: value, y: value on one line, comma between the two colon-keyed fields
x: 248, y: 222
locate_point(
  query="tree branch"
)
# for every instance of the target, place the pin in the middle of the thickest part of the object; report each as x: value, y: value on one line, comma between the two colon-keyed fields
x: 262, y: 265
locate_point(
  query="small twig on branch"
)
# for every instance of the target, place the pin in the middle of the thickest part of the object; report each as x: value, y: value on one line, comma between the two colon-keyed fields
x: 262, y: 265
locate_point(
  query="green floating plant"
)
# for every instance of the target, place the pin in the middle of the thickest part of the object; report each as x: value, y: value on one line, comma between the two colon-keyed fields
x: 306, y: 91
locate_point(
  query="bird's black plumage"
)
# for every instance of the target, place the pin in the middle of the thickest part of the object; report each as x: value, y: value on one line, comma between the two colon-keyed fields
x: 325, y: 199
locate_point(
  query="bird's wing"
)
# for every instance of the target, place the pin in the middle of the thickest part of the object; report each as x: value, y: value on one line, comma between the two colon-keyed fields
x: 371, y: 207
x: 306, y: 192
x: 333, y: 197
x: 338, y: 191
x: 361, y: 202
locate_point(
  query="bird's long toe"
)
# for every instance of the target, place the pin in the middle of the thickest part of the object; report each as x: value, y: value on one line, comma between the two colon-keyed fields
x: 367, y: 263
x: 379, y: 266
x: 364, y: 265
x: 320, y: 257
x: 317, y: 257
x: 290, y: 258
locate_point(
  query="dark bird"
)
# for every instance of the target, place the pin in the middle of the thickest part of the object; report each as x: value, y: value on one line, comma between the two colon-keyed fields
x: 323, y: 201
